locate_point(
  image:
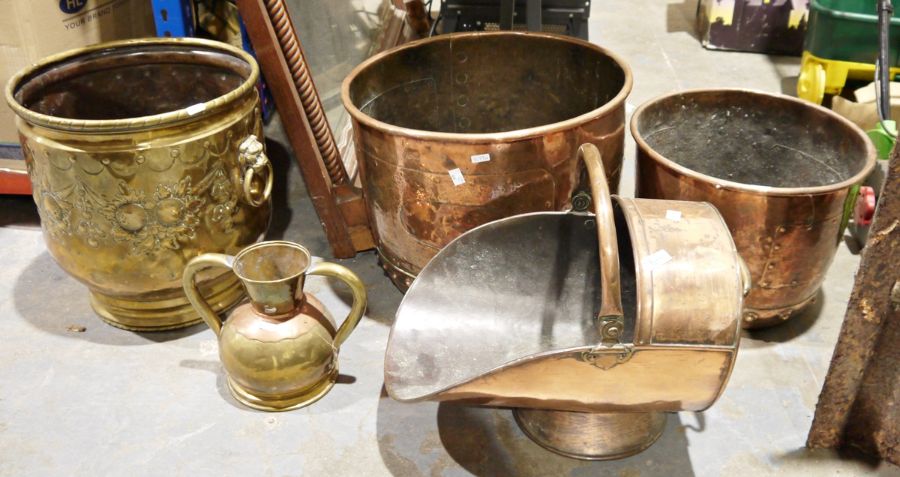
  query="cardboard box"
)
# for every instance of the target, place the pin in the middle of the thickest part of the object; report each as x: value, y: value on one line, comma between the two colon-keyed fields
x: 34, y: 29
x: 761, y: 26
x: 861, y: 109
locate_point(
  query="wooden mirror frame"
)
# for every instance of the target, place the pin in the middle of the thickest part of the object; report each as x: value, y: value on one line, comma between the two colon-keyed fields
x: 337, y: 199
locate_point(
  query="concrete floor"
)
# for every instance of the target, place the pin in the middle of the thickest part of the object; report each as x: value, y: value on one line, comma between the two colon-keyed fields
x: 110, y: 402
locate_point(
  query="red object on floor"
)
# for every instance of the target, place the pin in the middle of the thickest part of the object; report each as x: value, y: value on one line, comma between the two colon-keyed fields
x: 865, y: 206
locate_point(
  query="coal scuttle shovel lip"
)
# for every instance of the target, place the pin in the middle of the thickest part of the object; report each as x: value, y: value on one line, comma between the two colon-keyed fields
x: 510, y: 314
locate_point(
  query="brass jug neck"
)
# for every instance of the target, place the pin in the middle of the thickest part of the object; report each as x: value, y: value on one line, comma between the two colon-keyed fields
x: 273, y: 273
x: 275, y: 300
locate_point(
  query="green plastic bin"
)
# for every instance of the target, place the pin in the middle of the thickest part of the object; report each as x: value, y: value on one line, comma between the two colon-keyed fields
x: 847, y: 30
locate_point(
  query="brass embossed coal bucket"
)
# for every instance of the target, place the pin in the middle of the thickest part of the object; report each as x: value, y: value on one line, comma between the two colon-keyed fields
x: 458, y: 130
x: 516, y: 313
x: 778, y: 169
x: 144, y: 154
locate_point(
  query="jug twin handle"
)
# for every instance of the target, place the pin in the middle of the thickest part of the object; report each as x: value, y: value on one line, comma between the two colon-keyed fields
x: 207, y: 260
x: 358, y: 290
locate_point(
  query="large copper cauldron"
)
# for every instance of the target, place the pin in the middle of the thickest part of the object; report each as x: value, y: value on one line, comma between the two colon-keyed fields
x: 144, y: 154
x: 590, y: 326
x: 458, y: 130
x: 777, y: 168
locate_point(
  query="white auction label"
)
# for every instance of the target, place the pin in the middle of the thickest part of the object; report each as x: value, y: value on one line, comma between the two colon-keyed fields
x: 656, y: 259
x: 674, y: 215
x: 478, y: 158
x: 197, y: 108
x: 457, y: 177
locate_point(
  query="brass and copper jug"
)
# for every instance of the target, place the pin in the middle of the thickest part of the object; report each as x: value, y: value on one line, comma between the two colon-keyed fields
x: 591, y: 327
x: 780, y: 170
x: 280, y: 350
x: 142, y: 155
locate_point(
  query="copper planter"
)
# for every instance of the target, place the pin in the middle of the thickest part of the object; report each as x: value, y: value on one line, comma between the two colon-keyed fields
x: 144, y: 154
x: 777, y: 168
x: 458, y: 130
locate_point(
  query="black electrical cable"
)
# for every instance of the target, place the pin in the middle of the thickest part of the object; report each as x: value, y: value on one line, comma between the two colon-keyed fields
x: 882, y: 64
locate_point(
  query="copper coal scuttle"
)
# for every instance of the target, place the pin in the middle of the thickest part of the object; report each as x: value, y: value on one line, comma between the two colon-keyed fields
x: 590, y: 327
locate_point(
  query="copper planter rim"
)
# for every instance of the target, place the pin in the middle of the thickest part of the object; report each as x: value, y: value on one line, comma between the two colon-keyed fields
x: 475, y: 138
x: 750, y: 188
x: 139, y: 122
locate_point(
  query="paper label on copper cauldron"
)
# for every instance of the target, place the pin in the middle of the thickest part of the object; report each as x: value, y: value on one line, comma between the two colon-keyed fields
x: 457, y: 177
x: 479, y: 158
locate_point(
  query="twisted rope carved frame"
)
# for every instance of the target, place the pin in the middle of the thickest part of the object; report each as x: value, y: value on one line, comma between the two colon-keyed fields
x: 309, y: 96
x: 338, y: 202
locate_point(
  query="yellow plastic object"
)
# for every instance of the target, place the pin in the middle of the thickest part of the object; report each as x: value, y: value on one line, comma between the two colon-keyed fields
x: 819, y: 76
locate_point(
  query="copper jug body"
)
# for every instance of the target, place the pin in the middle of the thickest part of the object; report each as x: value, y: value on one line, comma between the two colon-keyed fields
x: 280, y: 350
x: 780, y: 171
x: 458, y: 130
x: 142, y: 155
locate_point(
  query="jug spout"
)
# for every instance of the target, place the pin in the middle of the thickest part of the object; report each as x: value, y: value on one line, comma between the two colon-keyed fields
x: 273, y: 274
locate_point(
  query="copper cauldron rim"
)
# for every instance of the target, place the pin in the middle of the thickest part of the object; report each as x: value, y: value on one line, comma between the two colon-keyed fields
x: 750, y: 188
x: 135, y: 123
x: 478, y: 138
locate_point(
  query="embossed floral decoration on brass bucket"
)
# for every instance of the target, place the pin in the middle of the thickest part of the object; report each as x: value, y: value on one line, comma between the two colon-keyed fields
x: 142, y: 155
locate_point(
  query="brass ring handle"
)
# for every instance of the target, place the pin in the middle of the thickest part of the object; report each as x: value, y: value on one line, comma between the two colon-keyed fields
x: 359, y: 296
x: 610, y: 287
x: 199, y: 303
x: 248, y: 182
x: 253, y: 159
